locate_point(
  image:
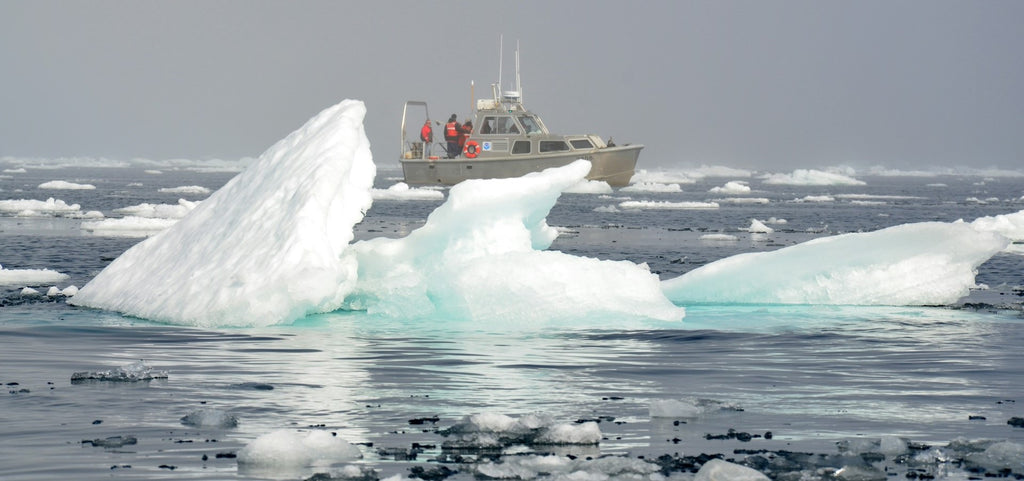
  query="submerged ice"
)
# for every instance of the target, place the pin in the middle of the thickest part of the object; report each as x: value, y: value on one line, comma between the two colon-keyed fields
x: 275, y: 244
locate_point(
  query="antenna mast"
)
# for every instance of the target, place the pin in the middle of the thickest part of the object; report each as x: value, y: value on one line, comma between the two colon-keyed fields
x: 501, y: 40
x: 519, y: 86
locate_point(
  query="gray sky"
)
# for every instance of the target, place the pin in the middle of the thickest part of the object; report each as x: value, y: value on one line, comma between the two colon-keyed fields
x: 752, y: 84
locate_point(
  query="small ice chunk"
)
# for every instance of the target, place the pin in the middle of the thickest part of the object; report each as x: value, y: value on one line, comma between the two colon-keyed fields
x: 185, y: 189
x: 292, y: 448
x: 29, y: 292
x: 687, y: 408
x: 65, y: 185
x: 584, y: 433
x: 719, y: 470
x: 590, y: 187
x: 136, y: 371
x: 859, y: 473
x: 757, y: 226
x: 491, y: 430
x: 1001, y: 455
x: 719, y: 237
x: 892, y: 445
x: 733, y: 187
x: 651, y: 187
x: 402, y: 191
x: 210, y: 418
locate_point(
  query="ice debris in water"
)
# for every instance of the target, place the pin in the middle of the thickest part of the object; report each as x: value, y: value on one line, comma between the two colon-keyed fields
x: 492, y: 431
x: 210, y: 418
x: 112, y: 441
x: 286, y: 448
x: 719, y: 470
x: 999, y: 456
x: 136, y: 371
x: 564, y: 468
x: 688, y: 408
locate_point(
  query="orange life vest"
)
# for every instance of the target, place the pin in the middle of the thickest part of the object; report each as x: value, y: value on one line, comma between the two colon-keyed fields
x: 451, y: 131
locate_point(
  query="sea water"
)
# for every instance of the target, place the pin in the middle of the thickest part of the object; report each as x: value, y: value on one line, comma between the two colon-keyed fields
x: 794, y: 378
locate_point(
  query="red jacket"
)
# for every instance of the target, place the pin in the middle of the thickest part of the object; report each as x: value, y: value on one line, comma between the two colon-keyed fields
x: 426, y: 133
x: 451, y: 131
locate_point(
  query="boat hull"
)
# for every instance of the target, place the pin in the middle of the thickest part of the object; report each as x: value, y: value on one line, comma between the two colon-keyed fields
x: 614, y: 165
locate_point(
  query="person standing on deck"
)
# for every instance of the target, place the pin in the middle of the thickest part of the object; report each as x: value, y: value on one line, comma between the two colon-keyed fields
x: 451, y: 135
x: 427, y: 136
x: 464, y: 131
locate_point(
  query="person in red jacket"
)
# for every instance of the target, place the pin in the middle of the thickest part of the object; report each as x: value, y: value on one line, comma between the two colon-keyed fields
x: 451, y: 135
x: 427, y: 136
x: 464, y: 131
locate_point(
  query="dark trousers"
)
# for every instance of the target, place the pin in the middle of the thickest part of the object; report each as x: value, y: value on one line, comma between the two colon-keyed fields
x: 453, y: 149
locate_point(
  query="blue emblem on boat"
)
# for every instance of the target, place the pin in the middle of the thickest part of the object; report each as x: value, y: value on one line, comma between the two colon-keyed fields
x: 487, y: 146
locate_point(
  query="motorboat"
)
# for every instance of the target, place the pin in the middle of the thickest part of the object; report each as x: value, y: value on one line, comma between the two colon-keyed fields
x: 507, y: 140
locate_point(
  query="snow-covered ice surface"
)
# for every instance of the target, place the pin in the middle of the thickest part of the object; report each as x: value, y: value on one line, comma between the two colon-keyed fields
x: 583, y: 389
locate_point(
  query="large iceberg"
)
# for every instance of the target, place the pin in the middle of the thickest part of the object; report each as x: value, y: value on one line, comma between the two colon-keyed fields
x: 275, y: 244
x: 265, y: 248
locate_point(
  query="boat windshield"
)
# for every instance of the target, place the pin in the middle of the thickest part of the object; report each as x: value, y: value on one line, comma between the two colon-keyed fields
x: 499, y: 125
x: 530, y: 124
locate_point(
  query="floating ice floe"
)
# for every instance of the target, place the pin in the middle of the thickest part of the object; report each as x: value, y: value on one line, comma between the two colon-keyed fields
x: 666, y: 205
x: 563, y: 468
x: 136, y: 371
x: 688, y: 408
x: 130, y: 226
x: 719, y: 237
x: 732, y: 187
x: 495, y: 431
x: 64, y: 185
x: 811, y: 177
x: 402, y: 191
x: 720, y: 470
x: 185, y: 189
x: 758, y: 227
x: 54, y: 291
x: 816, y: 198
x: 590, y: 187
x: 644, y: 176
x: 743, y: 200
x: 287, y: 448
x: 928, y: 263
x: 210, y: 418
x: 32, y: 207
x: 30, y: 277
x: 159, y: 211
x: 652, y: 187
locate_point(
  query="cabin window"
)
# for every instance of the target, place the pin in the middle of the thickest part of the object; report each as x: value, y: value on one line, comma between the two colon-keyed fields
x: 488, y: 126
x: 521, y: 147
x: 553, y: 146
x: 530, y: 124
x: 500, y: 126
x: 581, y: 144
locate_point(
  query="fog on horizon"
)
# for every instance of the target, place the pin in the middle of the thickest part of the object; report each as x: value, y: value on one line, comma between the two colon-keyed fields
x: 755, y: 85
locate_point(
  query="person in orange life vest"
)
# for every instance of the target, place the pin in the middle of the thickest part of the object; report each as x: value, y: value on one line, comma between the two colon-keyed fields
x: 427, y: 136
x: 451, y: 135
x: 464, y: 131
